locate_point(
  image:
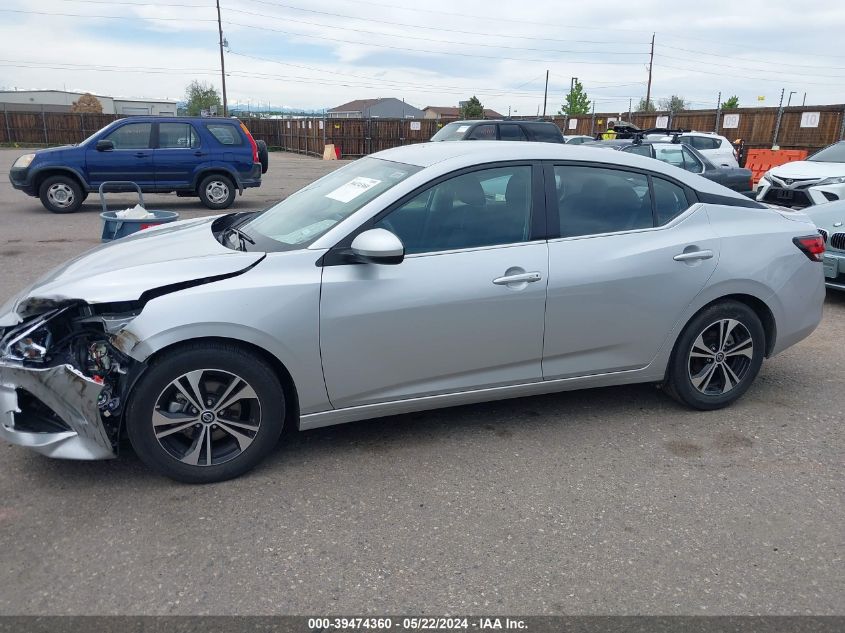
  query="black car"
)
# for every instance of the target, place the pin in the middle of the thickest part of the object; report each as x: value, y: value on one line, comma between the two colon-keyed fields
x: 682, y: 155
x: 489, y: 130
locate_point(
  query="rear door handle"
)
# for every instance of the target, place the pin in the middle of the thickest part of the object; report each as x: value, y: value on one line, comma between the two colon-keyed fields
x: 199, y: 153
x: 693, y: 255
x: 141, y: 155
x: 518, y: 278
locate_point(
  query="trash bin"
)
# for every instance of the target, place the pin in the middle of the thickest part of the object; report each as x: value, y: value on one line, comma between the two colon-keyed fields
x: 115, y: 227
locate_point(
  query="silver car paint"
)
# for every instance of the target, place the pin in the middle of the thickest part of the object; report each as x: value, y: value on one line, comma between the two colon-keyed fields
x: 275, y: 304
x: 831, y: 218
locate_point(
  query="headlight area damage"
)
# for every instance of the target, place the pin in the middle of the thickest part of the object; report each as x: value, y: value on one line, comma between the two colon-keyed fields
x: 62, y: 381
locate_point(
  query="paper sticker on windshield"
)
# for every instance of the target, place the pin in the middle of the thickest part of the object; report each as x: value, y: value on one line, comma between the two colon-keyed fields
x: 463, y: 128
x: 352, y: 189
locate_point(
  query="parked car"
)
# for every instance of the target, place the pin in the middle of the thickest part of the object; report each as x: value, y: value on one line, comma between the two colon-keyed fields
x: 576, y: 139
x: 405, y: 281
x: 488, y: 130
x: 687, y: 158
x: 213, y: 158
x: 803, y: 183
x: 830, y: 220
x: 716, y: 148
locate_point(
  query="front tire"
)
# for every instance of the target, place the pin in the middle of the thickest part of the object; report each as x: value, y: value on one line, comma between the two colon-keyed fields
x: 61, y: 194
x: 217, y: 192
x: 205, y: 413
x: 717, y: 356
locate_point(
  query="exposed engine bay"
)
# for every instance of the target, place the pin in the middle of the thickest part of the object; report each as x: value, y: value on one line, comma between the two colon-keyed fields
x: 75, y: 341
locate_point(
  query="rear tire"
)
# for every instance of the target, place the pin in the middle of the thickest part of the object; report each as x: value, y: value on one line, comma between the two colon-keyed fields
x: 206, y: 412
x: 61, y: 194
x: 217, y: 192
x: 717, y: 356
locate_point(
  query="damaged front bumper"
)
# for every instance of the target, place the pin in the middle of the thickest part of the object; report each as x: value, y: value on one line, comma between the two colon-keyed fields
x: 70, y: 425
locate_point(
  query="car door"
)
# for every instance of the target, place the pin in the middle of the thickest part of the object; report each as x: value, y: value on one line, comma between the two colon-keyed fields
x: 628, y: 261
x: 463, y: 311
x: 178, y: 153
x: 131, y: 158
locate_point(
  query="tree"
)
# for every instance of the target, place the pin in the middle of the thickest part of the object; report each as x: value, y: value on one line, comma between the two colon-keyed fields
x: 472, y: 109
x: 576, y: 101
x: 642, y: 106
x: 731, y: 104
x: 88, y: 104
x: 200, y: 96
x: 673, y: 104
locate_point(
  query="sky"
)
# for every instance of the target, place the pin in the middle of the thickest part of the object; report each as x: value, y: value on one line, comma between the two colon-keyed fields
x: 316, y: 54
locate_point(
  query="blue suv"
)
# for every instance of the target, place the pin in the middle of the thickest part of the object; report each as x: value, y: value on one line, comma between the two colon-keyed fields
x: 212, y: 158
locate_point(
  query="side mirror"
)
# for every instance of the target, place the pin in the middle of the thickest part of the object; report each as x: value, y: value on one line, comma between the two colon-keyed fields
x: 378, y: 246
x: 104, y: 145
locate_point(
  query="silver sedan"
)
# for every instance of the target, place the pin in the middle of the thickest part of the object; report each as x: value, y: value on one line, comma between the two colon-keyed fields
x: 420, y: 277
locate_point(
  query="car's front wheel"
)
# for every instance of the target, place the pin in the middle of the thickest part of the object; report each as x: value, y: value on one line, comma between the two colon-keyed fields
x: 717, y: 356
x: 206, y: 412
x: 61, y: 194
x: 217, y: 192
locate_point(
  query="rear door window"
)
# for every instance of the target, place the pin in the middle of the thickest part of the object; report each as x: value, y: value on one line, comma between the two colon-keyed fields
x: 545, y: 132
x: 670, y: 200
x: 642, y: 150
x: 511, y: 132
x: 594, y: 200
x: 177, y: 136
x: 702, y: 142
x: 226, y: 134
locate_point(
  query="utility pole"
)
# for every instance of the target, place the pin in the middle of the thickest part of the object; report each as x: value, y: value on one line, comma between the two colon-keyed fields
x: 222, y: 62
x: 650, y: 67
x: 718, y: 111
x: 546, y: 93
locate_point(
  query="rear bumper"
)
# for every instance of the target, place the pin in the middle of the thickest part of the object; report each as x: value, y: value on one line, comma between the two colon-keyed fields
x: 254, y: 177
x: 797, y: 305
x: 834, y: 270
x: 76, y: 431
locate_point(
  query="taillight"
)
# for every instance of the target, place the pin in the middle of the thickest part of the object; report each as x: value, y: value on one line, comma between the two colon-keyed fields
x: 252, y: 143
x: 811, y: 245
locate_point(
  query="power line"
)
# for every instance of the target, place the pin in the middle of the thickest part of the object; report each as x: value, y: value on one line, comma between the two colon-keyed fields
x: 779, y: 81
x: 752, y: 69
x: 134, y: 18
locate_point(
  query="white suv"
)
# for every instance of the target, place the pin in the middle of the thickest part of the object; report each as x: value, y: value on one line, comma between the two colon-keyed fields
x: 717, y: 149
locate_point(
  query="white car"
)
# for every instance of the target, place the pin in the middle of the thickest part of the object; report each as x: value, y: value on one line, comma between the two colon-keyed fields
x: 803, y: 183
x: 717, y: 149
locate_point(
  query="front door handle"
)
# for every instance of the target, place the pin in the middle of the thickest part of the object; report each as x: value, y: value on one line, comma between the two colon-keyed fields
x: 693, y: 255
x: 519, y: 278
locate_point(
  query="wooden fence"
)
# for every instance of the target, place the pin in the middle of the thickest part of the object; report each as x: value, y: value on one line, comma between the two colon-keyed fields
x: 359, y: 137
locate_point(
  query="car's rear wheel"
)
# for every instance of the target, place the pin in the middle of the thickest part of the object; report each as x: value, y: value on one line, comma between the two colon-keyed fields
x: 61, y: 194
x: 717, y: 356
x: 217, y: 192
x: 205, y: 413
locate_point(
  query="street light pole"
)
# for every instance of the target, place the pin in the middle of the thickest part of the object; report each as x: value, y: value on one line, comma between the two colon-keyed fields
x: 222, y: 61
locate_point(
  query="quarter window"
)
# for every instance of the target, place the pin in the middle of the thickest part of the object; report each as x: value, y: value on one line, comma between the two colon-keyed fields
x: 670, y: 200
x: 642, y: 150
x: 225, y: 134
x: 131, y: 136
x: 177, y: 136
x: 678, y: 155
x: 481, y: 208
x: 593, y: 200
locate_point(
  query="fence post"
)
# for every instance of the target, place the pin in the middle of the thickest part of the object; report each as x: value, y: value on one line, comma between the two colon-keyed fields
x: 842, y: 127
x: 82, y: 125
x: 44, y: 126
x: 8, y: 129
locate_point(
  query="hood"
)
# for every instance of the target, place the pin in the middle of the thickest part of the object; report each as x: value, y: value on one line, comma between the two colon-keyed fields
x: 53, y: 152
x: 808, y: 169
x: 830, y: 216
x: 124, y: 269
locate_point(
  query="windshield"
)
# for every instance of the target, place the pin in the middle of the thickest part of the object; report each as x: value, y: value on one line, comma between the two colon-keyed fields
x: 832, y: 154
x: 451, y: 132
x: 307, y: 214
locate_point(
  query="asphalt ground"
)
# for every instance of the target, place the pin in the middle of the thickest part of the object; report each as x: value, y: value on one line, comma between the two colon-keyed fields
x: 605, y: 501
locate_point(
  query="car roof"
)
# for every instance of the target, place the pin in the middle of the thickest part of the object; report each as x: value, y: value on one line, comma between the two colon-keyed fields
x: 474, y: 121
x: 471, y: 153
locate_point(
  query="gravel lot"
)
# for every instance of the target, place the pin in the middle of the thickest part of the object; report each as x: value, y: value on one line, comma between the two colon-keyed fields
x: 611, y: 501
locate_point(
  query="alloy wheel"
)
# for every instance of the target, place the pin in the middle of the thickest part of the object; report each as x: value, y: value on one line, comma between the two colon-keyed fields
x: 206, y: 417
x: 720, y: 357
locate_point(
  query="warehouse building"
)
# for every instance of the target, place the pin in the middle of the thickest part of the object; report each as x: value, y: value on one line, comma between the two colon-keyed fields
x: 62, y: 101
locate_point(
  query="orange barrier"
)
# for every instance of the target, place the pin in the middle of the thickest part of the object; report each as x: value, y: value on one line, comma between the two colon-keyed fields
x: 759, y: 161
